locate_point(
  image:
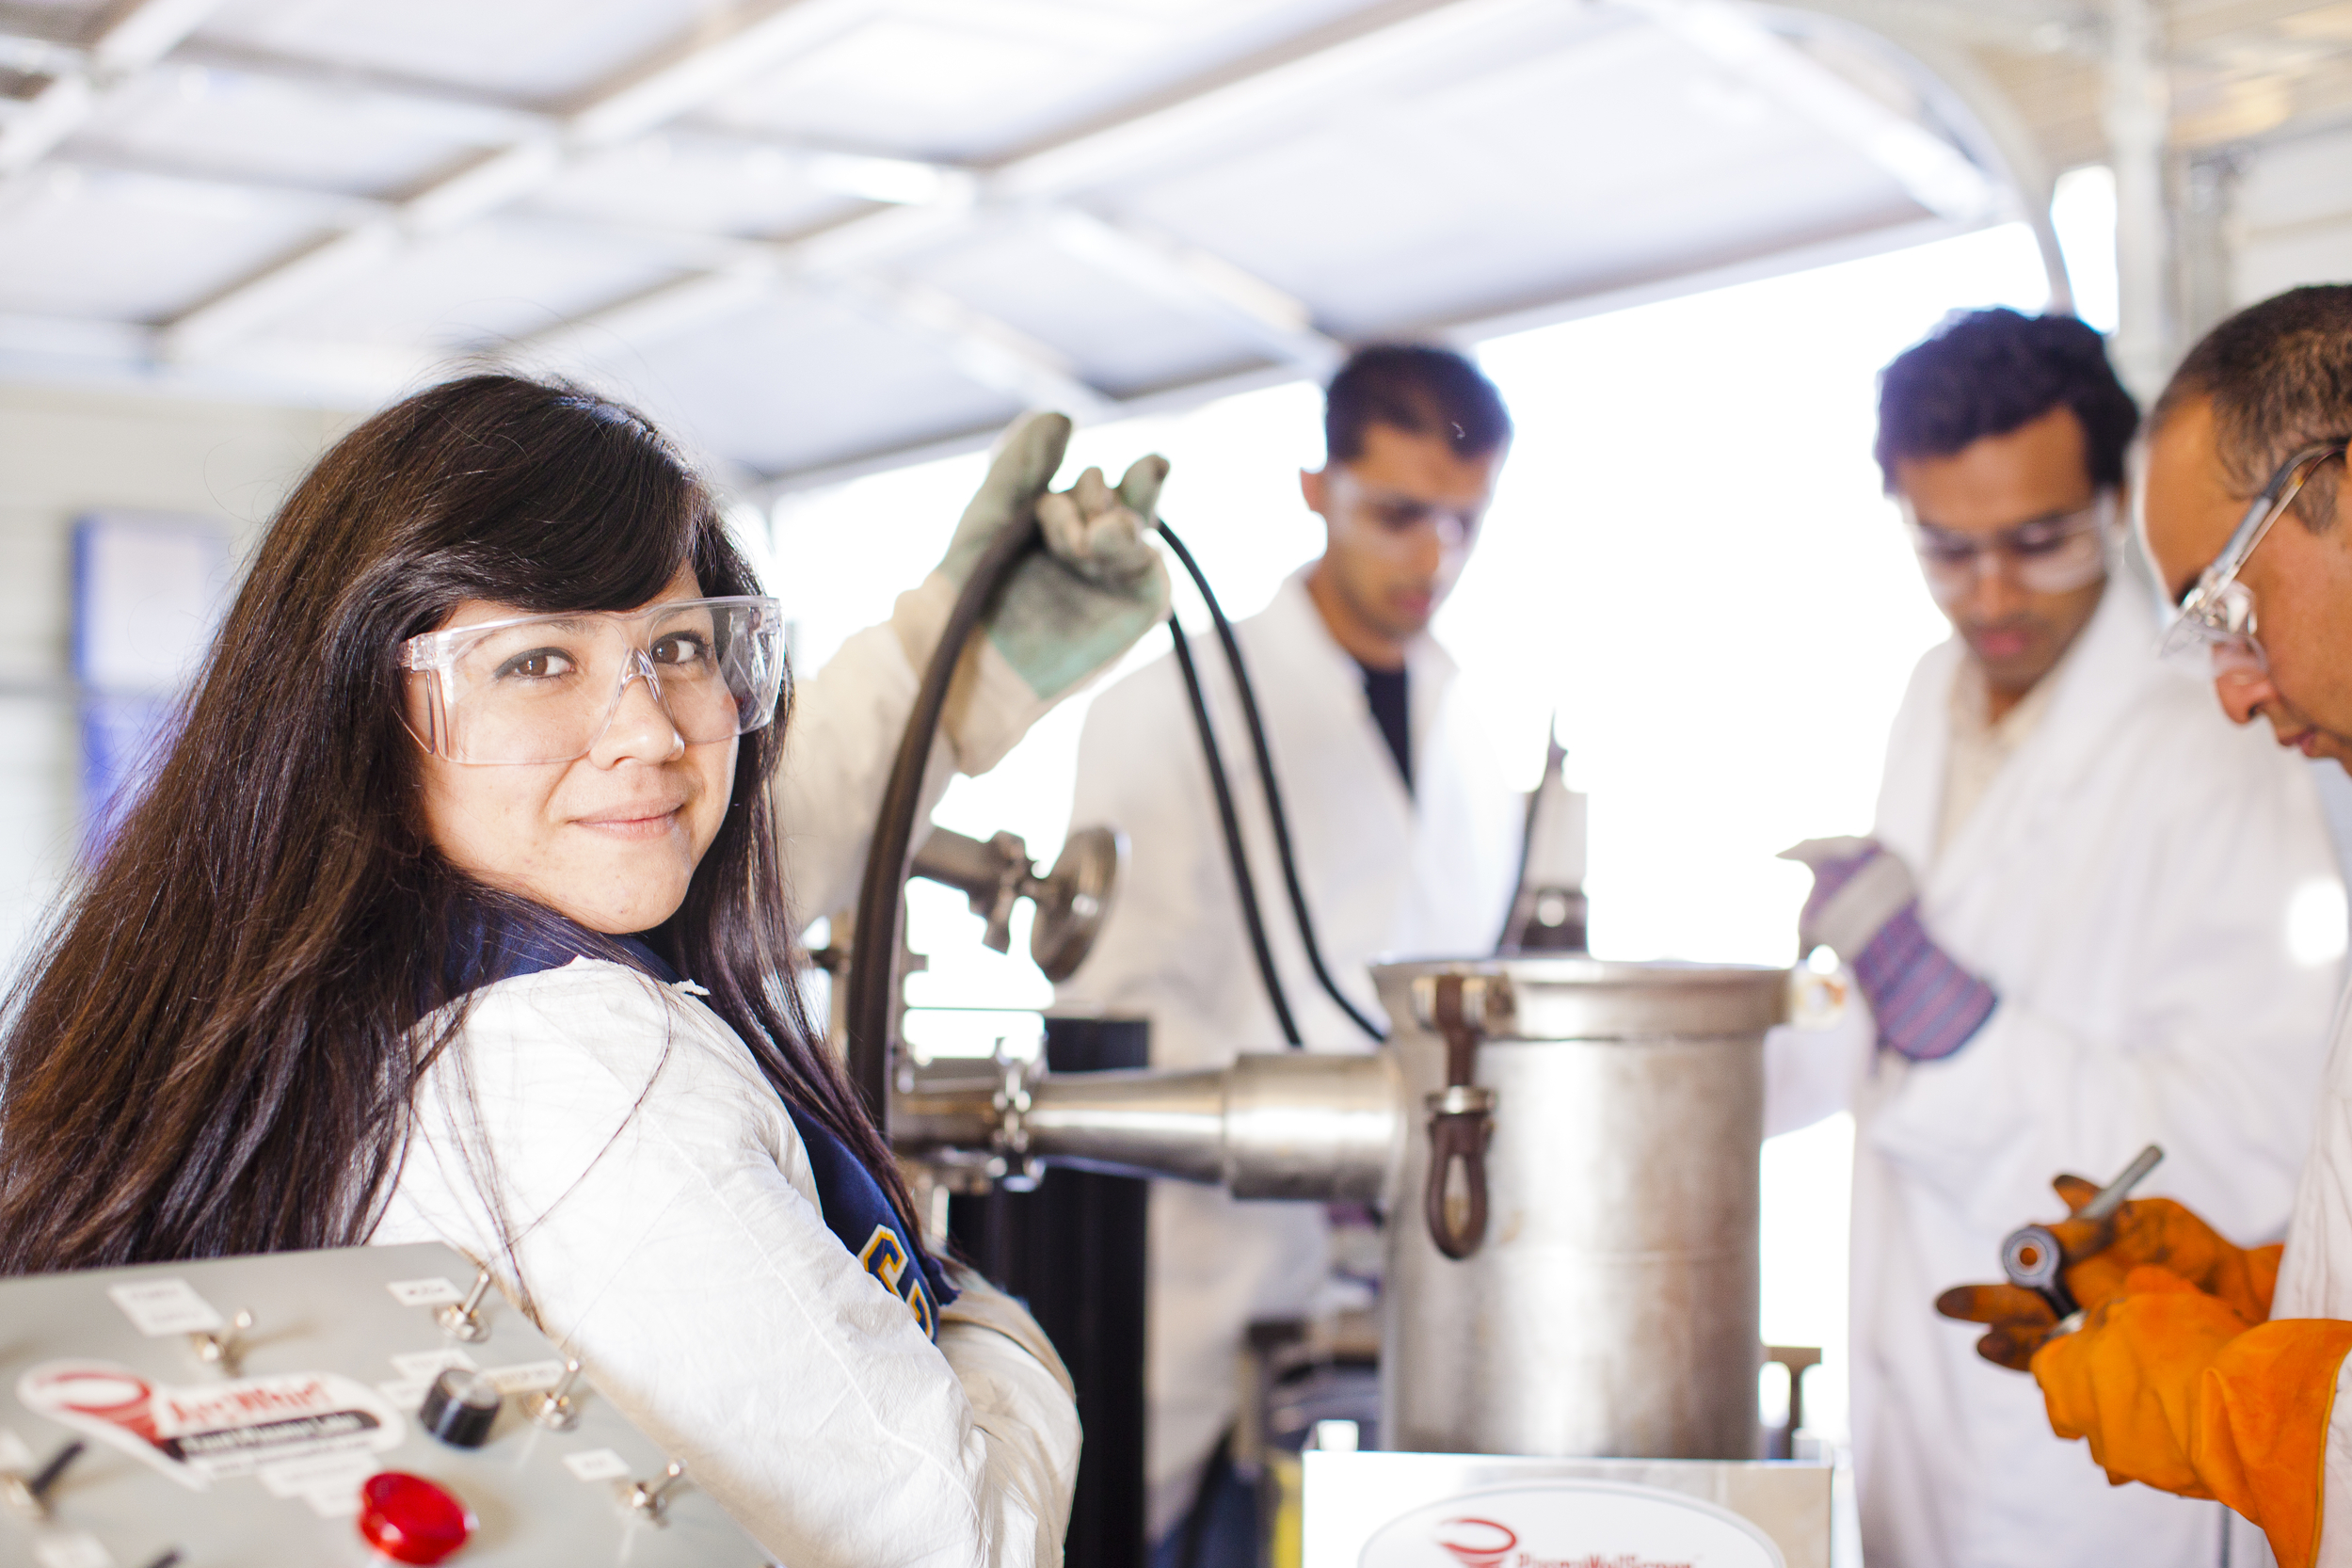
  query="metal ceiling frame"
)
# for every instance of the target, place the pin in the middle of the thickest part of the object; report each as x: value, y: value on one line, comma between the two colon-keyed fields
x: 852, y: 261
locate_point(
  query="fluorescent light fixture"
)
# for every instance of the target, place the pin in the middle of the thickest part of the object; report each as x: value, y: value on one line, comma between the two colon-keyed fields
x: 901, y: 182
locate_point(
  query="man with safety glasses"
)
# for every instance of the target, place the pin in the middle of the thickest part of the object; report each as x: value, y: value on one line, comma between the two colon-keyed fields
x: 2071, y: 927
x: 2198, y: 1367
x: 1407, y: 841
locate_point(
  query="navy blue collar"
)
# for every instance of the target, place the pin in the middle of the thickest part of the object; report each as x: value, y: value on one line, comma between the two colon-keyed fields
x: 498, y: 946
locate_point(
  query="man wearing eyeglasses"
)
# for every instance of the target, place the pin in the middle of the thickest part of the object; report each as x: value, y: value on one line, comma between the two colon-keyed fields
x: 2071, y: 930
x: 2197, y: 1366
x: 1406, y: 838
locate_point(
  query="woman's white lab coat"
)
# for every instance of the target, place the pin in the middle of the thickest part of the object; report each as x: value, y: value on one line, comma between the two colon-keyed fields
x: 2126, y: 887
x: 1386, y: 872
x: 665, y: 1229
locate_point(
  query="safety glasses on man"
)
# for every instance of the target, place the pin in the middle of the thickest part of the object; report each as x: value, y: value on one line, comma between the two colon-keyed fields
x: 2217, y: 615
x: 545, y: 688
x: 2055, y: 554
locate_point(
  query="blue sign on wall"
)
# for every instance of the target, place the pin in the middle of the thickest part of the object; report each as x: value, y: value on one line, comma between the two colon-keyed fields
x: 147, y: 589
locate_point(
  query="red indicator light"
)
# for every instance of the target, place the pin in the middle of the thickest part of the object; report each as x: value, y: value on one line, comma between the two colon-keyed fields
x: 409, y: 1519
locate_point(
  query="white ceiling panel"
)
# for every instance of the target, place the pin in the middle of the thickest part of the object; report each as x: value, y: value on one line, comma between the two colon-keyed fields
x: 699, y: 182
x: 1570, y: 170
x: 807, y: 381
x: 1123, y: 338
x: 273, y: 128
x: 533, y: 49
x: 502, y: 278
x: 977, y: 79
x: 91, y: 242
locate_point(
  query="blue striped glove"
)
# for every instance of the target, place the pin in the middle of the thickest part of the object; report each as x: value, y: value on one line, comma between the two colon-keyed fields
x: 1865, y: 909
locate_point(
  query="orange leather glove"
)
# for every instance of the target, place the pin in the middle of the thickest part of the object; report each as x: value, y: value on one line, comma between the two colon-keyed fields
x: 2174, y: 1389
x: 2159, y: 1232
x: 2144, y: 1232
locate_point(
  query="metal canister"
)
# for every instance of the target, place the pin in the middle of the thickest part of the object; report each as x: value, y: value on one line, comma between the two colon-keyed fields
x: 1609, y: 1307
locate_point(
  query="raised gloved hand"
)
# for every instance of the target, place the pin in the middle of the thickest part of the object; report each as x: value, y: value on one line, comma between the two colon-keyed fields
x: 2145, y: 1232
x: 1068, y: 611
x: 1865, y: 909
x: 2174, y: 1389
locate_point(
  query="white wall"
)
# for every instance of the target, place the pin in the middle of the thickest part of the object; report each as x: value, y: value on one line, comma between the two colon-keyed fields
x: 2290, y: 216
x: 64, y: 452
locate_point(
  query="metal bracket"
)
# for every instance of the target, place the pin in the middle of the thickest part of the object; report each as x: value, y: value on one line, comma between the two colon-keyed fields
x: 1461, y: 1118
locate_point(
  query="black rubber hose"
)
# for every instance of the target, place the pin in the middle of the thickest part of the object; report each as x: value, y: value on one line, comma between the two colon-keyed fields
x: 1222, y: 786
x: 1275, y: 814
x: 872, y: 981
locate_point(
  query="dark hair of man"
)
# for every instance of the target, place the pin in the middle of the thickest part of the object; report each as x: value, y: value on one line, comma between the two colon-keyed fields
x: 1419, y: 390
x: 1986, y: 372
x: 2280, y: 376
x: 215, y: 1048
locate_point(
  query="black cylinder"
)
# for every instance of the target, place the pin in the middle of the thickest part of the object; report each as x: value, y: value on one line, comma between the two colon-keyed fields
x: 460, y: 1408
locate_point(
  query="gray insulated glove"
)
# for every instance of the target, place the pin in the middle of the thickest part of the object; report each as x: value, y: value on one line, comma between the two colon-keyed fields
x: 1072, y: 608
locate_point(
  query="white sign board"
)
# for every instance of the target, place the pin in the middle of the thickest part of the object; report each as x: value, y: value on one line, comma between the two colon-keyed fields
x: 1475, y: 1510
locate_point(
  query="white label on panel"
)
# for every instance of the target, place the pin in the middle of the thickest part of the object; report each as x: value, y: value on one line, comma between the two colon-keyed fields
x: 526, y: 1377
x: 425, y: 1292
x: 424, y: 1366
x: 596, y: 1464
x: 160, y: 1307
x: 1571, y: 1522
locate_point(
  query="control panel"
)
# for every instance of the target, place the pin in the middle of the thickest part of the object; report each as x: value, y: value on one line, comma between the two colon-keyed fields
x: 337, y: 1409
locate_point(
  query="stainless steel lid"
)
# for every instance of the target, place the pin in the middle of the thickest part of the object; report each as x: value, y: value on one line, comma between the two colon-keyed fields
x: 1571, y: 998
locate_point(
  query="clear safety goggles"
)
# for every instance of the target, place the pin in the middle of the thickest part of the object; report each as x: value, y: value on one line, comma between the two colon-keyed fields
x: 546, y: 688
x: 1397, y: 519
x: 2216, y: 618
x: 2056, y: 554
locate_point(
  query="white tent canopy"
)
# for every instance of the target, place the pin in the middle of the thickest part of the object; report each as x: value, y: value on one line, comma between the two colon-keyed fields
x: 822, y: 235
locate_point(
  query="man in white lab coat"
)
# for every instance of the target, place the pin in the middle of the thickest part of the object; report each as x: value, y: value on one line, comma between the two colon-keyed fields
x: 2070, y: 934
x: 2207, y: 1366
x: 1406, y: 842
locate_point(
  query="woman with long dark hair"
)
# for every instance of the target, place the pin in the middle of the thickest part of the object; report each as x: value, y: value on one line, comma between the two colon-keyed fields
x: 455, y: 913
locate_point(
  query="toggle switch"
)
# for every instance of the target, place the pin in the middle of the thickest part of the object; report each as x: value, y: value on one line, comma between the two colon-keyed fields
x: 463, y: 1319
x: 556, y: 1409
x: 647, y: 1498
x: 30, y: 1493
x: 411, y: 1519
x: 224, y: 1350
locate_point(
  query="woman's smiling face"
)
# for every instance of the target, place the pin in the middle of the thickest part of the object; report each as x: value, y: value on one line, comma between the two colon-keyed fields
x: 609, y: 839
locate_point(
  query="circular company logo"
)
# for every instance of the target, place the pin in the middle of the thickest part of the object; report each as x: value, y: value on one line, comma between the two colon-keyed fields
x: 1570, y: 1524
x: 1478, y: 1543
x: 106, y: 1392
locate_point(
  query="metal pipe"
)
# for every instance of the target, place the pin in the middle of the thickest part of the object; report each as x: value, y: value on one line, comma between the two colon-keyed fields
x: 1293, y: 1125
x: 1139, y: 1123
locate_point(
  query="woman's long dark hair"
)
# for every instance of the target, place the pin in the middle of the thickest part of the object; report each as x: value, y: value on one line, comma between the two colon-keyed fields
x: 215, y: 1050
